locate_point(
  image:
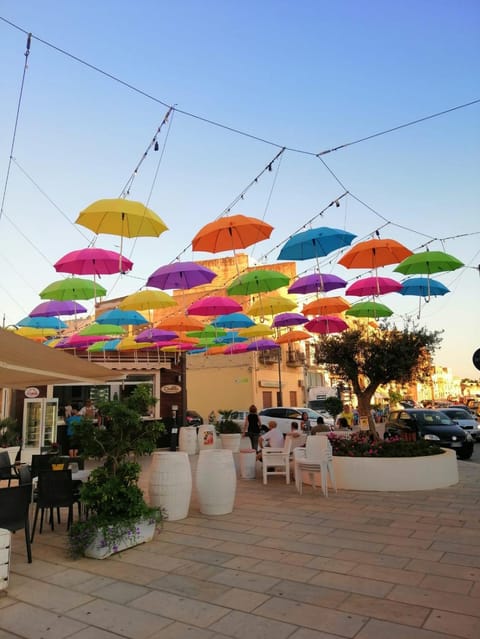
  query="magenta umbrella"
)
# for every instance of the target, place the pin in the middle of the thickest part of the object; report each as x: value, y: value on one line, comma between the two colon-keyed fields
x: 262, y: 345
x: 180, y: 275
x: 79, y: 341
x: 235, y: 349
x: 316, y: 283
x: 326, y: 324
x: 214, y: 306
x: 93, y: 261
x: 55, y: 308
x: 373, y: 286
x: 288, y: 319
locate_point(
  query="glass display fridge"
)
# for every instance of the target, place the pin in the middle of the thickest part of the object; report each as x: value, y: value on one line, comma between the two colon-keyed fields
x: 39, y: 425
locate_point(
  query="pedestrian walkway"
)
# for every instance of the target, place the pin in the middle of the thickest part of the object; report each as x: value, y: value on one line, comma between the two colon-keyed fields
x: 360, y: 565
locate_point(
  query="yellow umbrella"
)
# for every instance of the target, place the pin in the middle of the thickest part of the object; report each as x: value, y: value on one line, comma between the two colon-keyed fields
x: 35, y: 333
x: 147, y: 300
x: 271, y: 305
x: 129, y: 344
x: 258, y: 330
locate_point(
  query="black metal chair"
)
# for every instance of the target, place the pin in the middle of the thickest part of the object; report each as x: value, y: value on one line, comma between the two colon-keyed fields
x: 14, y: 506
x: 7, y: 470
x: 41, y: 462
x: 55, y: 490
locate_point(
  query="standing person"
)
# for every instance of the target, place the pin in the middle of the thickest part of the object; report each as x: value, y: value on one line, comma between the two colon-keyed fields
x: 252, y: 425
x: 88, y: 410
x: 305, y: 422
x: 347, y: 414
x: 72, y: 422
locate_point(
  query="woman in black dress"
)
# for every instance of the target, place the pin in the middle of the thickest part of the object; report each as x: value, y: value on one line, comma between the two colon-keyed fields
x: 252, y: 426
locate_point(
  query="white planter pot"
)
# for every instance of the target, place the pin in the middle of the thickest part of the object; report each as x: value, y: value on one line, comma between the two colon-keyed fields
x: 98, y: 549
x: 206, y: 437
x: 216, y: 481
x: 5, y: 544
x: 170, y: 485
x: 231, y: 441
x: 187, y: 440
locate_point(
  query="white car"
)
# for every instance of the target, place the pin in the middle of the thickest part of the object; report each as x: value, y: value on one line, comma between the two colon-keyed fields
x: 285, y: 415
x: 465, y: 419
x: 238, y: 416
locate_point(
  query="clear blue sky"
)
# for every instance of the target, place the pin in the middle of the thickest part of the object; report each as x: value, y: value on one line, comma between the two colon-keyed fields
x: 307, y: 75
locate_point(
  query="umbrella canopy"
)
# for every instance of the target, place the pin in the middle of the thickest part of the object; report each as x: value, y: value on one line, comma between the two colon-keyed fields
x: 215, y: 305
x: 92, y: 261
x: 121, y: 318
x: 262, y: 345
x: 233, y: 320
x: 101, y: 329
x: 72, y: 288
x: 216, y: 350
x: 230, y: 233
x: 130, y: 344
x: 146, y: 300
x: 54, y: 308
x: 326, y: 305
x: 235, y: 349
x: 292, y: 336
x: 104, y: 345
x: 180, y: 275
x: 427, y: 263
x: 271, y: 305
x: 316, y: 283
x: 258, y: 281
x: 369, y: 309
x: 374, y: 253
x: 288, y: 319
x: 42, y: 322
x: 35, y: 333
x: 423, y: 287
x: 180, y: 323
x: 125, y: 218
x: 207, y: 331
x: 230, y: 338
x: 179, y: 347
x: 79, y: 341
x: 258, y: 330
x: 326, y: 324
x: 155, y: 335
x: 315, y: 243
x: 373, y: 286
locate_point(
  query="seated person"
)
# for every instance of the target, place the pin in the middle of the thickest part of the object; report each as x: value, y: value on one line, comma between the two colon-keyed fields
x: 342, y: 423
x: 294, y: 432
x: 321, y: 427
x: 273, y: 439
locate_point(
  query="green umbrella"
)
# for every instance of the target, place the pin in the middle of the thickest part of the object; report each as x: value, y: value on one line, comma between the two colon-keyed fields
x: 258, y: 281
x: 427, y: 263
x: 369, y: 309
x: 102, y: 329
x: 208, y: 332
x: 73, y: 288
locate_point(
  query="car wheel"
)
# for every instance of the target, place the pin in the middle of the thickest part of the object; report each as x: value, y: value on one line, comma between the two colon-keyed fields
x: 465, y: 454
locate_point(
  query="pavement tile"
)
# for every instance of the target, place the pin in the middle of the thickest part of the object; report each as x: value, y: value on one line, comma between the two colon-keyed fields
x: 436, y: 599
x: 240, y: 625
x: 458, y: 625
x: 446, y: 584
x: 376, y: 629
x: 244, y: 580
x: 352, y: 584
x: 54, y: 598
x: 120, y: 592
x: 189, y: 611
x: 31, y: 622
x: 461, y: 559
x: 332, y: 564
x: 93, y: 633
x: 177, y: 630
x: 392, y: 575
x: 188, y: 586
x: 284, y: 571
x: 401, y: 613
x: 238, y: 599
x: 69, y: 578
x: 444, y: 569
x: 375, y: 559
x: 308, y: 593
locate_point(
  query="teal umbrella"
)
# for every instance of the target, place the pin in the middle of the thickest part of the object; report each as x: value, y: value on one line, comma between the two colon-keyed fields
x: 43, y: 322
x: 122, y: 318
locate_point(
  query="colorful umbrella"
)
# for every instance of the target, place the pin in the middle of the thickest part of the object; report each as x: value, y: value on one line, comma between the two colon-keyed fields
x: 79, y: 341
x: 230, y: 233
x: 130, y: 344
x: 180, y: 323
x: 369, y: 309
x: 72, y: 288
x: 316, y: 283
x: 258, y: 281
x: 216, y: 350
x: 101, y: 329
x: 92, y: 261
x: 208, y: 331
x: 373, y: 286
x: 374, y: 253
x: 146, y: 300
x: 325, y: 324
x: 235, y: 349
x: 288, y: 319
x: 427, y: 263
x: 155, y: 335
x: 233, y: 320
x: 180, y: 275
x: 35, y: 333
x: 42, y: 322
x: 315, y: 243
x: 423, y: 287
x: 179, y: 347
x: 258, y: 330
x: 326, y: 305
x: 262, y: 345
x: 292, y: 336
x: 54, y: 308
x: 215, y: 305
x: 271, y: 305
x: 105, y: 345
x: 121, y: 318
x: 230, y: 338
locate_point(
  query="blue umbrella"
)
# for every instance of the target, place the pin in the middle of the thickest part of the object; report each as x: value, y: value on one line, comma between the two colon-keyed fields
x: 121, y: 318
x: 234, y: 320
x: 230, y: 338
x: 423, y: 287
x: 107, y: 345
x: 42, y: 322
x: 315, y: 243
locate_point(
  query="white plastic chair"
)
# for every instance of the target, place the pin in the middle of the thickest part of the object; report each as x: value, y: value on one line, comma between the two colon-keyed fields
x: 276, y: 461
x: 318, y: 458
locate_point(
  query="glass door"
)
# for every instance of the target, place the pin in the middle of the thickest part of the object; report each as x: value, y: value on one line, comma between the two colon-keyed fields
x: 32, y: 423
x: 50, y: 421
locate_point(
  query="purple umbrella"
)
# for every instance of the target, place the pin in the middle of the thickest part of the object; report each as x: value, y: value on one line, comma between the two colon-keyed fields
x: 288, y: 319
x: 180, y: 275
x: 316, y: 283
x: 155, y: 335
x: 55, y: 308
x: 262, y: 345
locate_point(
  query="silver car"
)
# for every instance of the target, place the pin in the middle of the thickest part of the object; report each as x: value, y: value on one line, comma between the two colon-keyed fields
x: 465, y: 419
x: 285, y: 415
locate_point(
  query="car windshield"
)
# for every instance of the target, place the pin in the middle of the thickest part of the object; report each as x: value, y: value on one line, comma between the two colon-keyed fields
x: 432, y: 418
x: 457, y: 414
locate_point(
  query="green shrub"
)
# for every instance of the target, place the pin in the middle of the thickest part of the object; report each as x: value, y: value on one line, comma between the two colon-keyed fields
x: 362, y: 444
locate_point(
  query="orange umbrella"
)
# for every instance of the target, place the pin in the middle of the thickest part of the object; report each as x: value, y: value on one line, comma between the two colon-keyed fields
x: 292, y: 336
x: 230, y: 233
x: 180, y: 323
x: 374, y: 253
x: 216, y: 350
x: 326, y: 306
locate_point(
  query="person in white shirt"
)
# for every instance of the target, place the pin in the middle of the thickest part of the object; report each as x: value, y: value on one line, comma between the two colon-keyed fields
x: 274, y: 438
x: 88, y: 410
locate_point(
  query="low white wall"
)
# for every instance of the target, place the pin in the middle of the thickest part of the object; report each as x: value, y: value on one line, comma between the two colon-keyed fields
x: 395, y: 474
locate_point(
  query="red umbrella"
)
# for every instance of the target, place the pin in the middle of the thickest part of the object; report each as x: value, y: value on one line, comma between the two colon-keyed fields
x: 326, y: 324
x: 373, y: 286
x: 215, y: 305
x: 93, y: 261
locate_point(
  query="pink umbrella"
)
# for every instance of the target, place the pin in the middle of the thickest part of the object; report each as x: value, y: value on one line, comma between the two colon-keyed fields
x: 373, y: 286
x: 288, y: 319
x: 80, y: 341
x: 93, y: 261
x: 316, y: 283
x: 209, y: 306
x: 55, y: 308
x: 235, y: 349
x: 326, y: 324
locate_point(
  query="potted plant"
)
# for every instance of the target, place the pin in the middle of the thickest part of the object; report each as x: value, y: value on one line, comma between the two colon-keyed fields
x: 229, y: 431
x: 118, y: 517
x: 10, y: 437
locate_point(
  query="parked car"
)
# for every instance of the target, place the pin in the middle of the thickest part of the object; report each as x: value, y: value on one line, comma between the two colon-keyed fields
x: 432, y: 425
x: 285, y: 415
x: 194, y: 418
x: 238, y: 416
x: 465, y: 419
